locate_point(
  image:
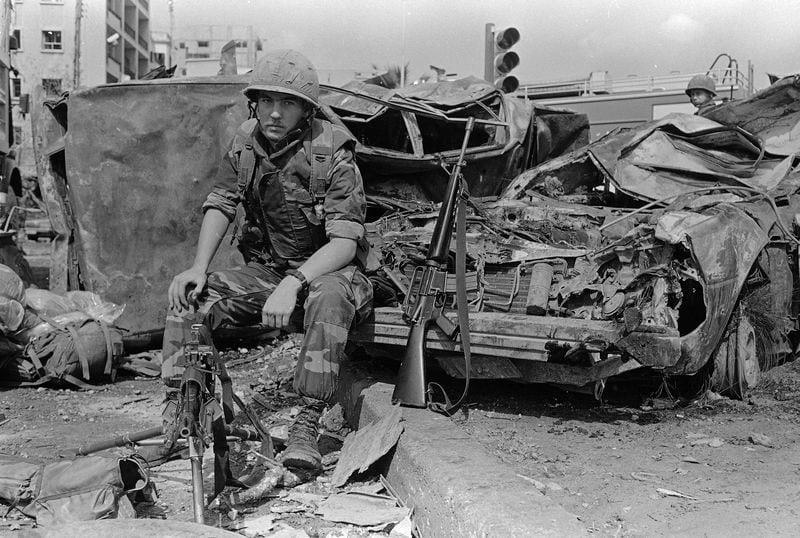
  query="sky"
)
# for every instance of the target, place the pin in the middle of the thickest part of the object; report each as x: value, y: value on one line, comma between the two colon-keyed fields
x: 560, y: 39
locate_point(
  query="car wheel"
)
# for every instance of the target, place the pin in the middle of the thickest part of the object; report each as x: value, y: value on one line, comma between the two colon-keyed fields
x: 747, y: 371
x: 736, y: 365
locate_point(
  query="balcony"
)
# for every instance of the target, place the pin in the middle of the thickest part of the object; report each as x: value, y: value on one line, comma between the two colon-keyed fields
x: 113, y: 67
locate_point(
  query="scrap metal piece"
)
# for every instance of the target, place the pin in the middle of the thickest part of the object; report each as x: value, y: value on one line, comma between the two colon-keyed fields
x: 365, y: 446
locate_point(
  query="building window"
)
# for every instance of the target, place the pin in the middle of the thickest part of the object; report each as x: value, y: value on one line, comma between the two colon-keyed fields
x: 16, y: 36
x: 203, y: 44
x: 51, y: 86
x: 16, y: 87
x: 51, y: 40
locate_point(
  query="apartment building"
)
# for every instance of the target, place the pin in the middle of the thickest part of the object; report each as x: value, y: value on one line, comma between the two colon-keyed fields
x: 197, y: 49
x: 66, y: 44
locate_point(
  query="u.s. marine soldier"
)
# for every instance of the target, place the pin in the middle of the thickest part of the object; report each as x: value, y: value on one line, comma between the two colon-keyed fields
x: 701, y: 91
x: 295, y: 176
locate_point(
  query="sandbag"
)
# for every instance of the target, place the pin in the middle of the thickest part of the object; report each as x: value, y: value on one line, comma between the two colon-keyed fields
x: 50, y: 304
x: 11, y: 284
x: 72, y: 354
x: 83, y: 489
x: 47, y: 302
x: 11, y: 315
x: 33, y: 325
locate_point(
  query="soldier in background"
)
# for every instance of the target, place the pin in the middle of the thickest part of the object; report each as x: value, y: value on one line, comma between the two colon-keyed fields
x: 701, y: 91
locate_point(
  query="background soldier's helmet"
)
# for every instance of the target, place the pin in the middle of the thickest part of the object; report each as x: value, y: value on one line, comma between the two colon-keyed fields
x: 702, y: 82
x: 285, y: 71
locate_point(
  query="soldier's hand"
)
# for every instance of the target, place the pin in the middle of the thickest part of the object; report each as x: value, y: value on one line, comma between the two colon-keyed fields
x: 185, y: 288
x: 280, y: 304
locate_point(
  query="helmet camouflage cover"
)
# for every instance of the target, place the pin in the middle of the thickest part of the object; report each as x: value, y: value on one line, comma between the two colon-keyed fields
x: 285, y: 71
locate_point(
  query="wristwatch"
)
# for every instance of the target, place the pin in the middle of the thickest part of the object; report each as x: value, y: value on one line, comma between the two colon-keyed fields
x: 299, y: 276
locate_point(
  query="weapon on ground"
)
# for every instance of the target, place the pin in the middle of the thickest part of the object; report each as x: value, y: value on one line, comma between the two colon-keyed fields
x: 426, y: 296
x: 200, y: 420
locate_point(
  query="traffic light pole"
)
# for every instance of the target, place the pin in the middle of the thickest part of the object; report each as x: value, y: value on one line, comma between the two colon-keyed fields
x: 499, y: 60
x: 488, y: 55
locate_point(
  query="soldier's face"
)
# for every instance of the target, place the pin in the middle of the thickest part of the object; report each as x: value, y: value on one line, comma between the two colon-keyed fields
x: 699, y: 97
x: 278, y: 114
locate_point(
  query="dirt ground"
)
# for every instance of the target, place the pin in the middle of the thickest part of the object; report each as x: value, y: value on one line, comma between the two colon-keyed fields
x: 709, y: 467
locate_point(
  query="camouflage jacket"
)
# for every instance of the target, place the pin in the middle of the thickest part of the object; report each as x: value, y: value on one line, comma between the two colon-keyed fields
x: 282, y: 225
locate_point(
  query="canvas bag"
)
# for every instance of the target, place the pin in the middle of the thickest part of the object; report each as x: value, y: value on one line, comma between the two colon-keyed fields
x: 83, y: 489
x: 76, y: 353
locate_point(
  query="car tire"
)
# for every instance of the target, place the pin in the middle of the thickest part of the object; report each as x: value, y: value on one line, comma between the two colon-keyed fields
x: 736, y: 365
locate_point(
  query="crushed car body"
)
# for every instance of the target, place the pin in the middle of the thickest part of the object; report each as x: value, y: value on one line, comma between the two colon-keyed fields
x: 670, y: 246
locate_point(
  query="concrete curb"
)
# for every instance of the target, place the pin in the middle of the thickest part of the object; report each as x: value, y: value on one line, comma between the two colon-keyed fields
x: 456, y: 487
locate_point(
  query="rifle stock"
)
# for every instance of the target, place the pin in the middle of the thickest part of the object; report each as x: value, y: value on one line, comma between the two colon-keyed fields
x: 410, y: 385
x: 427, y: 294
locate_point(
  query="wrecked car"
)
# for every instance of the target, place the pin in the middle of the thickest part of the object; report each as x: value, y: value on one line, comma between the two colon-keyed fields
x: 671, y: 247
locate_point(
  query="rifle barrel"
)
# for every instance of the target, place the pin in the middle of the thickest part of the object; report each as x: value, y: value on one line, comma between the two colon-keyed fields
x: 121, y: 440
x: 196, y: 458
x: 443, y: 231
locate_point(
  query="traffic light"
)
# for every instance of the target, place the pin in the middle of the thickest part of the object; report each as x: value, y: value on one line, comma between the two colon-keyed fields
x: 499, y: 60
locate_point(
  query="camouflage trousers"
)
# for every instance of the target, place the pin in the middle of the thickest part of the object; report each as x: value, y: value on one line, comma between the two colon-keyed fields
x: 333, y: 303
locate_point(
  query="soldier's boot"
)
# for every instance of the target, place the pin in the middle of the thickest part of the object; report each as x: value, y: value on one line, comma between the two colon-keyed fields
x: 169, y: 449
x: 302, y: 451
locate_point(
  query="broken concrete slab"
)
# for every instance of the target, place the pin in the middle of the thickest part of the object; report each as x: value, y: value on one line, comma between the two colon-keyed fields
x: 361, y: 509
x: 454, y: 486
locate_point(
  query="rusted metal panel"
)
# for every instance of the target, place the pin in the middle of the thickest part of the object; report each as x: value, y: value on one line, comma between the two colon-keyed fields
x: 481, y: 367
x: 726, y: 244
x: 772, y: 114
x: 140, y: 159
x: 574, y: 376
x: 48, y: 141
x: 663, y: 159
x: 495, y: 334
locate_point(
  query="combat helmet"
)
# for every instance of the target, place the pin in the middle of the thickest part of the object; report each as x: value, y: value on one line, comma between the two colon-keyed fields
x: 285, y: 71
x: 702, y: 82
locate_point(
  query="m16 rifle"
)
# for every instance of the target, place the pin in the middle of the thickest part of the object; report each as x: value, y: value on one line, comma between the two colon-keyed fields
x: 201, y: 419
x: 426, y: 297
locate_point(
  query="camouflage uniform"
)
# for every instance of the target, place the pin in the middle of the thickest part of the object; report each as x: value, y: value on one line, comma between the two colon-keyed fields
x: 281, y: 231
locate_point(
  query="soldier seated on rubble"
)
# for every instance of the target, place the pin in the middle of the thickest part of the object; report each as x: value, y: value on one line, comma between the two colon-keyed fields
x: 701, y: 91
x: 304, y: 204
